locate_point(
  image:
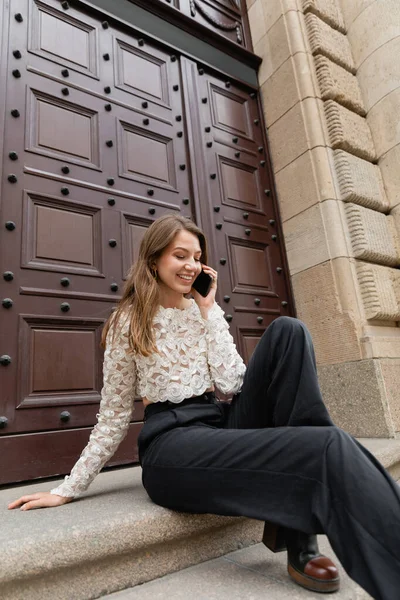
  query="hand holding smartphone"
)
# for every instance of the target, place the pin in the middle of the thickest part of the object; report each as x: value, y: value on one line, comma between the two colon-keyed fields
x: 202, y: 283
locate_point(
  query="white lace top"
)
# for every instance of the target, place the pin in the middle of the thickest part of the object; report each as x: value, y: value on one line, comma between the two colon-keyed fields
x: 194, y: 354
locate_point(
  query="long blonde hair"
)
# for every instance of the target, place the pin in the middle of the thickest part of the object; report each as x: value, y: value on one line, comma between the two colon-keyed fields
x: 141, y: 295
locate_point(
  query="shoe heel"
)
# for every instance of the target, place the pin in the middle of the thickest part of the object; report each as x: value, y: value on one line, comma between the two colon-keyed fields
x: 273, y: 537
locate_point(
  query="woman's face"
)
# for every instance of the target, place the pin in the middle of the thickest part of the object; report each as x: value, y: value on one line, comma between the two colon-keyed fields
x: 179, y: 264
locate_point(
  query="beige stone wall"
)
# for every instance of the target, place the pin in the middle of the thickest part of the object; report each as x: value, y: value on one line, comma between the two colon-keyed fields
x: 331, y: 97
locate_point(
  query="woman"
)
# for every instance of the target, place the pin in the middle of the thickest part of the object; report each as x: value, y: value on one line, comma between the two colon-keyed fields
x: 272, y: 454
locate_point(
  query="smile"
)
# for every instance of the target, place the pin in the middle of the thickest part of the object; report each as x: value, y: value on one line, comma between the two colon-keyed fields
x: 186, y: 277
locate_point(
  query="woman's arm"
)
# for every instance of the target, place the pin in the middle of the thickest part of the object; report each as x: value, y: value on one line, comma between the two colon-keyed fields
x: 116, y: 407
x: 226, y: 365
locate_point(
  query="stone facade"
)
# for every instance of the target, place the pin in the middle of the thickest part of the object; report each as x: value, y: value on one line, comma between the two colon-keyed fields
x: 331, y: 97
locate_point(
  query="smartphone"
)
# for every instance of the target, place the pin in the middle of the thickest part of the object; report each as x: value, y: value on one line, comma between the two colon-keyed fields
x: 202, y: 283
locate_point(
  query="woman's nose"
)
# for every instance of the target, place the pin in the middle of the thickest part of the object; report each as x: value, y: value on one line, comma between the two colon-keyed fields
x: 191, y: 266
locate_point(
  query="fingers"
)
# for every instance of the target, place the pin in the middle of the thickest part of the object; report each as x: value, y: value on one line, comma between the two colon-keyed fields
x: 32, y: 504
x: 210, y: 271
x: 23, y: 500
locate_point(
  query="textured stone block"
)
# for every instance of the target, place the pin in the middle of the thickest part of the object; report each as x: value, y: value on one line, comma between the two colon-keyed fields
x: 395, y: 215
x: 375, y: 26
x: 298, y: 130
x: 383, y: 120
x: 329, y: 42
x: 297, y: 32
x: 381, y: 341
x: 306, y: 79
x: 348, y: 131
x: 380, y: 291
x: 272, y: 12
x: 391, y: 376
x: 356, y: 398
x: 336, y: 232
x: 327, y: 10
x: 373, y: 235
x: 352, y: 8
x: 274, y: 49
x: 288, y: 4
x: 379, y: 74
x: 335, y: 83
x: 389, y: 166
x: 258, y: 26
x: 279, y: 92
x: 287, y: 138
x: 305, y: 240
x: 329, y: 311
x: 360, y: 181
x: 294, y: 80
x: 304, y: 182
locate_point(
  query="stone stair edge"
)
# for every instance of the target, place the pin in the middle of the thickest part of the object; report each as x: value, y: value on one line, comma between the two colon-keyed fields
x: 64, y: 548
x: 388, y: 454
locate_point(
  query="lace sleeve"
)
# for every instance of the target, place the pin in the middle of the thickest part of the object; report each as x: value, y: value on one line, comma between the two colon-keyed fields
x: 226, y: 365
x: 116, y: 407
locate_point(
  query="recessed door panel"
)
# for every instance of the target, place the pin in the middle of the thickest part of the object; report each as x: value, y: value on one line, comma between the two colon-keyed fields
x: 230, y: 112
x: 61, y: 235
x: 62, y: 361
x: 58, y: 36
x: 57, y: 365
x: 251, y: 266
x: 63, y: 129
x: 240, y: 184
x: 142, y: 72
x: 147, y: 155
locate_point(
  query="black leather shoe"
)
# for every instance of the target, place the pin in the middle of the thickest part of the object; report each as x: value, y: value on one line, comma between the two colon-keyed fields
x: 307, y: 567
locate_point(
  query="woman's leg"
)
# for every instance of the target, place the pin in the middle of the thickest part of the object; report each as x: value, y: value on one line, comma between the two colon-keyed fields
x: 314, y: 478
x: 361, y: 513
x: 280, y: 387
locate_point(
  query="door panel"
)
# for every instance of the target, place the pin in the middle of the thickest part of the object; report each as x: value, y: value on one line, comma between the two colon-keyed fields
x: 51, y: 31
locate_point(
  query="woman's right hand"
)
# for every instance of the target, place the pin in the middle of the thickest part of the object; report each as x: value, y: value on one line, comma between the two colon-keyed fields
x: 39, y: 500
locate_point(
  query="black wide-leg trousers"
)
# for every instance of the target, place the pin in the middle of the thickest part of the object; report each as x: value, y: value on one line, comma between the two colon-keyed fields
x: 274, y: 454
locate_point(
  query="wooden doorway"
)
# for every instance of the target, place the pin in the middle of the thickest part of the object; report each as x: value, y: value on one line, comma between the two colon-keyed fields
x: 105, y: 130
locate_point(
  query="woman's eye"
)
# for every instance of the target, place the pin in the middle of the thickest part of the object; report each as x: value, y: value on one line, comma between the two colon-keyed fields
x: 196, y: 259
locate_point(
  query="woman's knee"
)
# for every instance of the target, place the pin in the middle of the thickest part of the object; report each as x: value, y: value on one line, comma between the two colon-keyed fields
x: 289, y: 324
x: 339, y: 448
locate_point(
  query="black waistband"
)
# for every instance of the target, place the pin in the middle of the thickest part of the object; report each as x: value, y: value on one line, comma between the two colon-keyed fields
x: 156, y: 407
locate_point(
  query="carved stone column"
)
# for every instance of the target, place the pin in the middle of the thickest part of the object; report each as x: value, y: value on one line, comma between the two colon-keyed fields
x: 331, y: 98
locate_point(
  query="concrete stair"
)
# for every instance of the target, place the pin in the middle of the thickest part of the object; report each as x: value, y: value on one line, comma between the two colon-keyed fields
x: 115, y: 538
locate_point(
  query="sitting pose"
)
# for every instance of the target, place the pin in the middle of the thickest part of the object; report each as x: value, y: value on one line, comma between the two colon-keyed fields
x: 272, y: 453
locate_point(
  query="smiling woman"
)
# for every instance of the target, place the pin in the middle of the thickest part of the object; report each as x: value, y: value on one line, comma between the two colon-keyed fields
x: 271, y: 454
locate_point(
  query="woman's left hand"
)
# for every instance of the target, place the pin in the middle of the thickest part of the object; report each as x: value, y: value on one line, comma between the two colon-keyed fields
x: 205, y: 303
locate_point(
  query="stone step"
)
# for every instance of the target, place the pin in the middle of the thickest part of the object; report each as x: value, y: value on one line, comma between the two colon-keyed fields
x: 251, y: 573
x: 115, y: 538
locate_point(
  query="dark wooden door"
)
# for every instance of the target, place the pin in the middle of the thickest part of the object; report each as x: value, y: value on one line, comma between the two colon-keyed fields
x: 105, y: 131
